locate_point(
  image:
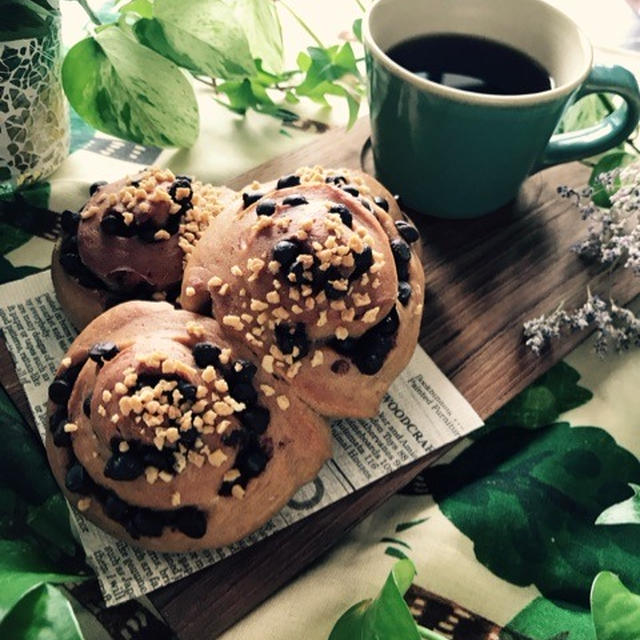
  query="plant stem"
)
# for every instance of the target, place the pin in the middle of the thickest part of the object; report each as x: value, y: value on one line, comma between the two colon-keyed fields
x: 303, y: 24
x: 360, y: 5
x: 428, y: 634
x: 87, y: 9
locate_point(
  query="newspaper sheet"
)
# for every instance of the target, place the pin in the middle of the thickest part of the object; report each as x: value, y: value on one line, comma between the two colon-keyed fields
x: 421, y: 412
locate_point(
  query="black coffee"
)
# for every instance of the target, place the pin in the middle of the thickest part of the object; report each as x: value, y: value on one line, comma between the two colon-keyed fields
x: 471, y: 63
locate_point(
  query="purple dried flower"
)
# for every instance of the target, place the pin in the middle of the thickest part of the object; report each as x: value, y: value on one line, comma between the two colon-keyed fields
x: 613, y: 239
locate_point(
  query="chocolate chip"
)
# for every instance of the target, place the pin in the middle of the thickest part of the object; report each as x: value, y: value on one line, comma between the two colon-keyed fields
x: 400, y: 250
x: 205, y: 354
x: 389, y: 324
x: 72, y: 373
x: 69, y: 221
x: 344, y: 213
x: 69, y: 244
x: 61, y: 438
x: 295, y: 201
x: 187, y: 390
x: 191, y: 521
x: 147, y: 231
x: 404, y: 292
x: 288, y: 337
x: 188, y: 438
x: 266, y: 208
x: 77, y: 480
x: 382, y: 203
x: 103, y: 351
x: 402, y: 255
x: 124, y: 466
x: 335, y: 180
x: 115, y: 508
x: 58, y: 419
x: 240, y: 371
x: 244, y: 392
x: 95, y: 186
x: 365, y: 204
x: 407, y: 231
x: 256, y: 419
x: 249, y: 198
x: 71, y: 263
x: 113, y: 224
x: 236, y: 437
x: 88, y: 279
x: 251, y: 462
x: 297, y: 269
x: 86, y: 406
x: 369, y: 363
x: 350, y: 189
x: 363, y: 262
x: 148, y: 522
x: 285, y: 252
x: 59, y: 391
x: 330, y: 290
x: 180, y: 183
x: 340, y: 366
x: 160, y: 459
x: 135, y: 183
x: 288, y: 181
x: 344, y: 347
x: 172, y: 225
x: 185, y: 178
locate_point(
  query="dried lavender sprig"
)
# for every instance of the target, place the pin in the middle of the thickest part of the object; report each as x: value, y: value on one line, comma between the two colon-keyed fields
x: 613, y: 236
x: 612, y: 324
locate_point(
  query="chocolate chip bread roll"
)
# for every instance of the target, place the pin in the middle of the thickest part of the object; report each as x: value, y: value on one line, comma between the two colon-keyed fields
x: 165, y: 434
x: 325, y: 292
x: 129, y: 241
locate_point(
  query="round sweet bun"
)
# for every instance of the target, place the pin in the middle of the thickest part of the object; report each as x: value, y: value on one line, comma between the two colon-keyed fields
x: 319, y: 284
x: 130, y: 240
x: 163, y: 432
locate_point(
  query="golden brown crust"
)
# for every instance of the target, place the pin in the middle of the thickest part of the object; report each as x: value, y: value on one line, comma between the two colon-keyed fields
x: 156, y: 341
x: 255, y: 300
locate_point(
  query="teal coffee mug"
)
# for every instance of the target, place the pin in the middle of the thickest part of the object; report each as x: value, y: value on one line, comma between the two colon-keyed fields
x: 456, y: 153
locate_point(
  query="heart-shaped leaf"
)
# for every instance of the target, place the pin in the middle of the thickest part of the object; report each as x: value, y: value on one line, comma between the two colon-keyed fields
x: 615, y: 609
x: 127, y: 90
x: 206, y: 36
x: 386, y: 617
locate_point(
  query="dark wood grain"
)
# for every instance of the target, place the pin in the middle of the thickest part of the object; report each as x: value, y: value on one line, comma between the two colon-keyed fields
x: 485, y: 277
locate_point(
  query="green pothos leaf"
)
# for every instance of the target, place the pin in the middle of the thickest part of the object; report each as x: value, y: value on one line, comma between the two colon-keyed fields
x: 112, y: 81
x: 386, y: 617
x: 207, y: 34
x: 587, y: 112
x: 615, y: 610
x: 23, y: 568
x: 331, y: 71
x: 251, y: 94
x: 626, y: 512
x: 42, y: 614
x: 543, y: 401
x: 259, y: 19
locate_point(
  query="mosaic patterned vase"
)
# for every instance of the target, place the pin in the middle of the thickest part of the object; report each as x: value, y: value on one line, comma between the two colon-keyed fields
x: 34, y: 121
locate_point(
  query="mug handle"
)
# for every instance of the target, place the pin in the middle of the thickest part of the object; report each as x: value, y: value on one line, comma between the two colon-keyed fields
x: 616, y: 127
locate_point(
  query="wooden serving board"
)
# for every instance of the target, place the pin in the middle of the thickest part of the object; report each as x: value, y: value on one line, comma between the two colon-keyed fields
x: 484, y: 278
